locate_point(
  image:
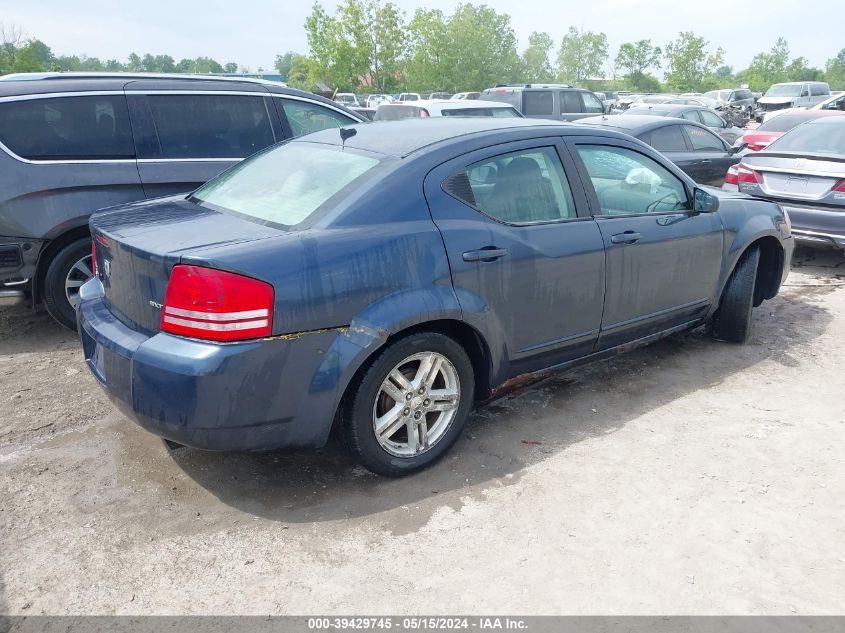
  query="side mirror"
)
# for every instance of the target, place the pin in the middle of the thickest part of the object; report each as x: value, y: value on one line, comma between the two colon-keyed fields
x: 704, y: 202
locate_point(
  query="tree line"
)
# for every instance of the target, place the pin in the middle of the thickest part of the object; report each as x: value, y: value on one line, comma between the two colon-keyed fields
x: 373, y: 46
x: 370, y: 45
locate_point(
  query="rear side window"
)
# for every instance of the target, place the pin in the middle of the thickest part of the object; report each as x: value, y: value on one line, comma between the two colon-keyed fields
x: 287, y: 184
x: 668, y: 139
x: 627, y: 182
x: 305, y: 117
x: 818, y: 90
x: 704, y: 140
x: 210, y: 126
x: 524, y: 187
x: 571, y: 102
x: 540, y: 102
x: 67, y: 128
x: 691, y: 115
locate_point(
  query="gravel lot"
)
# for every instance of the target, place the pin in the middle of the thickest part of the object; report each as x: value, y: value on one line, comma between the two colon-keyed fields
x: 687, y: 477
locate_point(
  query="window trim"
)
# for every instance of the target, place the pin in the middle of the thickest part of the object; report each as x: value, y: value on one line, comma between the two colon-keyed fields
x: 526, y: 145
x: 572, y: 144
x: 129, y: 92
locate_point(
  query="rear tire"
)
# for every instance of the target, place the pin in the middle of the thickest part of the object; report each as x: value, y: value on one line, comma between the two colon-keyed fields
x: 68, y: 270
x: 732, y: 320
x: 432, y: 384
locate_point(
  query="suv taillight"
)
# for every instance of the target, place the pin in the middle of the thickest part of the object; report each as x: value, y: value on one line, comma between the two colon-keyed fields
x: 215, y: 305
x: 93, y: 258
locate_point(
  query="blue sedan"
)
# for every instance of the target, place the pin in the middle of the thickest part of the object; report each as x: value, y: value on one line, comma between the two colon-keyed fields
x: 385, y: 278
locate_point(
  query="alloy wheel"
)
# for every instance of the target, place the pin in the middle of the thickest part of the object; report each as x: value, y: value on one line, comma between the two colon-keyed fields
x: 78, y: 274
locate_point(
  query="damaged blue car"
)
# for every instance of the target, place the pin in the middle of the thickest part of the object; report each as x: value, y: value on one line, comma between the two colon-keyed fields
x: 384, y: 279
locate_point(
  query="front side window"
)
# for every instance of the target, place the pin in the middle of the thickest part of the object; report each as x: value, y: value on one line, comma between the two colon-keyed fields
x: 538, y: 103
x: 305, y: 117
x: 210, y: 126
x: 817, y: 90
x: 836, y: 104
x: 627, y: 182
x: 524, y: 187
x: 704, y: 140
x: 591, y: 104
x: 68, y: 128
x: 711, y: 120
x: 287, y: 184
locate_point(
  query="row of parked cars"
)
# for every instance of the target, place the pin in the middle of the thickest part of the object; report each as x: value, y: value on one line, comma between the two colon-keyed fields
x: 376, y: 279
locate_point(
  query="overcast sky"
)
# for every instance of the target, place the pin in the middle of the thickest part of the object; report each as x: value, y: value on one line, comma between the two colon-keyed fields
x: 253, y: 32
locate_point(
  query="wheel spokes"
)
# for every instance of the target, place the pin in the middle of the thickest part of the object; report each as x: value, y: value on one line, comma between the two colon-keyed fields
x: 443, y: 399
x: 427, y: 371
x: 82, y: 267
x: 390, y: 422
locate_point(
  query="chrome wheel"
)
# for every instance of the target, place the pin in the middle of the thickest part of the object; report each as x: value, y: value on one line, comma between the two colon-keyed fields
x: 416, y: 404
x: 78, y: 274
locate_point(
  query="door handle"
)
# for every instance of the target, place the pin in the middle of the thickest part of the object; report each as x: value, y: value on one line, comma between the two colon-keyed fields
x: 706, y: 161
x: 486, y: 254
x: 628, y: 237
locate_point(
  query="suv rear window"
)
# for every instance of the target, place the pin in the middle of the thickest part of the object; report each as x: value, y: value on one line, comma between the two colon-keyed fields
x: 287, y: 184
x: 67, y: 128
x: 210, y: 126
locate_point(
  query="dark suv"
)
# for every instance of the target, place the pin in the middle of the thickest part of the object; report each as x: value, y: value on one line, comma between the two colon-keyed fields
x: 739, y: 98
x: 547, y: 101
x: 74, y: 143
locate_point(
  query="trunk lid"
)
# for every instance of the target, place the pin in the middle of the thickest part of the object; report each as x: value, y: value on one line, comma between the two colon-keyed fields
x: 798, y: 177
x: 137, y: 246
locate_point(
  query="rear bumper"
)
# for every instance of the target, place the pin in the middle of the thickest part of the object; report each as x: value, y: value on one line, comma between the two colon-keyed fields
x: 819, y: 226
x: 272, y: 393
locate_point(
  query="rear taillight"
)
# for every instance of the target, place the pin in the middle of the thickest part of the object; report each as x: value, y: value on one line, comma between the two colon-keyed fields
x: 731, y: 178
x: 216, y: 305
x: 93, y: 258
x: 757, y: 146
x: 747, y: 175
x: 839, y: 187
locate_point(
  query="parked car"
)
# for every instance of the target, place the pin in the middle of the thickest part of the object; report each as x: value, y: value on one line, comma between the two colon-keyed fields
x: 735, y: 98
x: 373, y: 101
x: 550, y: 102
x: 409, y: 96
x: 424, y: 109
x: 349, y: 99
x: 705, y: 102
x: 795, y: 94
x: 624, y: 99
x: 365, y: 113
x: 651, y: 99
x: 440, y: 95
x: 74, y: 143
x: 608, y: 99
x: 710, y: 118
x: 700, y: 153
x: 834, y: 103
x: 390, y: 281
x: 465, y: 95
x: 760, y: 137
x: 804, y: 172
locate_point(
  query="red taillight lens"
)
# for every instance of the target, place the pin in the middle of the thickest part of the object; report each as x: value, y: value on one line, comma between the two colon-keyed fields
x: 840, y: 186
x: 747, y: 175
x: 732, y: 178
x: 215, y: 305
x: 94, y: 258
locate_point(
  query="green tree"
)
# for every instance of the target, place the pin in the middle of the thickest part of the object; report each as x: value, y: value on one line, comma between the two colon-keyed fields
x: 427, y: 63
x: 376, y: 35
x: 284, y: 63
x: 767, y: 68
x: 536, y: 62
x: 637, y: 58
x: 334, y: 59
x: 689, y: 65
x: 482, y: 49
x: 835, y: 71
x: 231, y: 67
x: 582, y: 55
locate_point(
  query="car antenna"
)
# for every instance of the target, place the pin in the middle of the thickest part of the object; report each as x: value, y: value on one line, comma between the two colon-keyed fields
x: 345, y: 133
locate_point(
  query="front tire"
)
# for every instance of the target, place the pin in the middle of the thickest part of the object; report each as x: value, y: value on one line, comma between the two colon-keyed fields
x: 410, y: 405
x: 732, y: 321
x: 68, y: 270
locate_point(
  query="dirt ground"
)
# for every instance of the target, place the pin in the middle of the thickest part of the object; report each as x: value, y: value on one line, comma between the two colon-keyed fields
x: 689, y: 477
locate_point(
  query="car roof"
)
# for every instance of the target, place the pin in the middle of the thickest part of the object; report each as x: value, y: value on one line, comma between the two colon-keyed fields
x: 635, y: 124
x: 670, y: 107
x: 406, y: 136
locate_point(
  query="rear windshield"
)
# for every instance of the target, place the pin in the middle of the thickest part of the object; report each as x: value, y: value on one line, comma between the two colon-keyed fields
x: 494, y: 112
x: 782, y: 123
x: 717, y: 94
x: 783, y: 90
x: 824, y: 136
x: 287, y: 184
x: 396, y: 112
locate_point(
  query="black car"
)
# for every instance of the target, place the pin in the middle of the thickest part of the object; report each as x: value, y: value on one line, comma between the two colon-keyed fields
x: 73, y: 143
x: 699, y: 114
x: 547, y: 101
x: 691, y: 146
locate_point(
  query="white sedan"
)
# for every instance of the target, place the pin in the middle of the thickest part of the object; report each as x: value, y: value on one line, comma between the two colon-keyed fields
x: 441, y: 107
